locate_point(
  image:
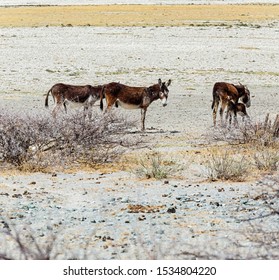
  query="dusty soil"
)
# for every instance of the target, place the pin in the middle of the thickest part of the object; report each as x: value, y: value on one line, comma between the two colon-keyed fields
x: 111, y: 213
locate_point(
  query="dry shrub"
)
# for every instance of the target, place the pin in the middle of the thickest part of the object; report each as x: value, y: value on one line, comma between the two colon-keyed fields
x: 223, y: 166
x: 39, y: 141
x: 154, y: 166
x: 26, y: 246
x: 267, y: 160
x: 262, y: 133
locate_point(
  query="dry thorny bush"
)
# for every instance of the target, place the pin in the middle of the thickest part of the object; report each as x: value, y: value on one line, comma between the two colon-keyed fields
x: 261, y: 133
x: 259, y: 139
x: 26, y: 247
x: 40, y: 141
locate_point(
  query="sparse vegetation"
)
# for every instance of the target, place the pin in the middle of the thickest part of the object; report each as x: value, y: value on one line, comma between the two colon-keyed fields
x: 267, y: 160
x: 154, y: 166
x: 224, y: 166
x: 37, y: 142
x: 259, y: 140
x: 27, y: 247
x: 264, y: 133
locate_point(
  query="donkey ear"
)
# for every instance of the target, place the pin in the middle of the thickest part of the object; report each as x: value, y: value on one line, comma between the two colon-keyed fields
x: 160, y: 82
x: 169, y: 82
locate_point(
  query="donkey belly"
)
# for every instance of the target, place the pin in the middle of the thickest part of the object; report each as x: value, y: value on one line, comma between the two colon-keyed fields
x: 80, y: 102
x: 127, y: 105
x: 73, y: 104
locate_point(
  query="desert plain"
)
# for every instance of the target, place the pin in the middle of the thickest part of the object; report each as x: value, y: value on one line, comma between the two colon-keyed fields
x: 109, y: 212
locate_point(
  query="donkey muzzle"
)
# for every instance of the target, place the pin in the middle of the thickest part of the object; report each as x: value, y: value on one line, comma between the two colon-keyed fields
x: 164, y: 101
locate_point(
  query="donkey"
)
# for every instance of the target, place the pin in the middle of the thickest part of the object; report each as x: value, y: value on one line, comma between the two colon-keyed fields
x: 134, y: 97
x: 84, y: 95
x: 238, y: 108
x: 226, y: 92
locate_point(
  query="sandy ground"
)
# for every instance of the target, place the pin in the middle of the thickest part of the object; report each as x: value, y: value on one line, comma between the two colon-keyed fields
x: 97, y: 209
x: 141, y: 2
x: 134, y: 15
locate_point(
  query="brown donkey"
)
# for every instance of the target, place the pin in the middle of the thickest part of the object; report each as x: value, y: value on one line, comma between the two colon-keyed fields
x: 238, y: 108
x: 84, y: 95
x: 226, y: 93
x: 134, y: 97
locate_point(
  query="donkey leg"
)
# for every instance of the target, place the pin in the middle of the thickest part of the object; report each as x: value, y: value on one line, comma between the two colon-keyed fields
x: 143, y: 114
x: 222, y: 109
x: 215, y: 108
x: 89, y: 111
x: 85, y: 111
x: 55, y: 110
x: 111, y: 100
x: 235, y: 119
x: 65, y: 107
x: 228, y: 116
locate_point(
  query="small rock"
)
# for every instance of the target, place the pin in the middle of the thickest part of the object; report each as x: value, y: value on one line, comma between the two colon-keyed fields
x: 142, y: 218
x: 17, y: 195
x: 26, y: 193
x: 6, y: 194
x: 171, y: 210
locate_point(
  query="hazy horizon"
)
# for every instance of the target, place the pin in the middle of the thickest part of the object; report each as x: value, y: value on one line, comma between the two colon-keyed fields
x: 103, y: 2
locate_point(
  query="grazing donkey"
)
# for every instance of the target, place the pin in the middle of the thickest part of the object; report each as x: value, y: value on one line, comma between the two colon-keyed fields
x: 134, y: 97
x: 238, y: 108
x: 226, y: 92
x: 84, y: 95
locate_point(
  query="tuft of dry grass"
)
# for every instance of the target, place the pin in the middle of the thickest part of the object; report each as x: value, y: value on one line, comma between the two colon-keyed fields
x: 153, y: 165
x: 267, y: 160
x: 224, y: 166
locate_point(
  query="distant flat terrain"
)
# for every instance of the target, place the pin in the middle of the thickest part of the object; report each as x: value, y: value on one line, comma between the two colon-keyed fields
x: 133, y: 15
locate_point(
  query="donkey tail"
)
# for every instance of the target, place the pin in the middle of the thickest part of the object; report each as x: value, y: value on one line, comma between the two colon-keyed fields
x: 215, y: 95
x: 212, y: 105
x: 215, y: 100
x: 46, y: 100
x: 101, y: 98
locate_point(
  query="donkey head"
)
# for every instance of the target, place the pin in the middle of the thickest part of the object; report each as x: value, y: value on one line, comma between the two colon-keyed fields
x: 164, y: 91
x: 246, y: 97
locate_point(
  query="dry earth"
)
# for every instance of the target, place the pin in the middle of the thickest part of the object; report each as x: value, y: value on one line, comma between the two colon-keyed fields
x: 110, y: 213
x: 134, y: 15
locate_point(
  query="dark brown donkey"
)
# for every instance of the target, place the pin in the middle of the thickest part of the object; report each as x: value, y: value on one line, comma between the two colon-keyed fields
x: 84, y: 95
x: 238, y: 108
x: 134, y: 97
x: 226, y: 93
